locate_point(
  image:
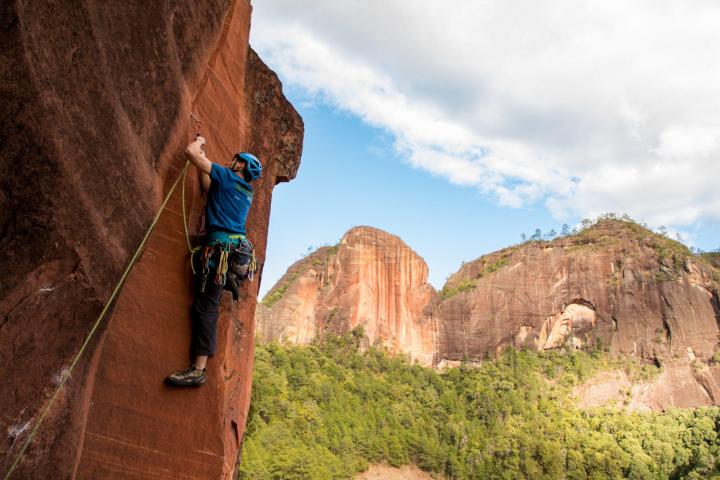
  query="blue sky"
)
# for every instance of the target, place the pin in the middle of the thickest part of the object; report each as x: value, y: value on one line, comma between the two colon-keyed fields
x: 460, y: 128
x: 350, y: 175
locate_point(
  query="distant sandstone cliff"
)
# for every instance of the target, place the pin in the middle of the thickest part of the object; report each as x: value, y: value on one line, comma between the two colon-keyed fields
x: 614, y: 286
x: 371, y: 278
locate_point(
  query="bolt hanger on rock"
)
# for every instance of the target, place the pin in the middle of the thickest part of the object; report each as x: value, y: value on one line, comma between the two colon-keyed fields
x: 198, y: 123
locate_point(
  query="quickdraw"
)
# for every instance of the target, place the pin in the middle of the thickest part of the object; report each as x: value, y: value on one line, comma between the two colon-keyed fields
x: 197, y: 122
x: 221, y: 273
x: 206, y: 257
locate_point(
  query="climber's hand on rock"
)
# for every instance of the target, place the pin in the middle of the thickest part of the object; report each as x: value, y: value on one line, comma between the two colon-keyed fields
x: 201, y: 139
x: 195, y: 148
x: 197, y: 155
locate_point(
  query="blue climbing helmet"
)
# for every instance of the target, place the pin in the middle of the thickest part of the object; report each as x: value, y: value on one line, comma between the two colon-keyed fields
x: 253, y: 168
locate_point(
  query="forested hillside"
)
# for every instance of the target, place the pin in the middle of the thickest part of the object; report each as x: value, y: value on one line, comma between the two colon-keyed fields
x: 328, y: 410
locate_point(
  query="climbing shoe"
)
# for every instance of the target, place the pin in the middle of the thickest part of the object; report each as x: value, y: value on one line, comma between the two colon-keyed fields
x: 190, y: 377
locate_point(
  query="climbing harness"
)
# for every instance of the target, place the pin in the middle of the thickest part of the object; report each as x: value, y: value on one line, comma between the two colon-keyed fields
x: 232, y: 257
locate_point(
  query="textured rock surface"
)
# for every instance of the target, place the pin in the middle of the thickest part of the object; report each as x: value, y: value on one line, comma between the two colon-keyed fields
x: 371, y: 279
x: 616, y: 285
x: 682, y: 383
x: 612, y: 389
x: 97, y: 104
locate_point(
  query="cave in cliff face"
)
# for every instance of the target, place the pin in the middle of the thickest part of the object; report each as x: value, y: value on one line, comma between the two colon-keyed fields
x: 97, y: 115
x: 571, y: 326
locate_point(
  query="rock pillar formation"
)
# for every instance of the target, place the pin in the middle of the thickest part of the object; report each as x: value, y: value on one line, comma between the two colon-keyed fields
x: 97, y: 115
x: 370, y: 279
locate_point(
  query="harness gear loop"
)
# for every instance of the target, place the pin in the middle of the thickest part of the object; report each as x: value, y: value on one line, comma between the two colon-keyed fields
x: 206, y: 257
x: 221, y: 274
x: 253, y: 266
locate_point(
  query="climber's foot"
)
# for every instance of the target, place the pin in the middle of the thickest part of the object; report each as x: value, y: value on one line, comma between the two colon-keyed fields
x: 190, y: 377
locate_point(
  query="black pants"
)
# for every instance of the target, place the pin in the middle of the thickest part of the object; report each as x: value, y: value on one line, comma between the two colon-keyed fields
x: 204, y: 312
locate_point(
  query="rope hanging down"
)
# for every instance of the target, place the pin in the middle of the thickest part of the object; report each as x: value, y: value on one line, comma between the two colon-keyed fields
x: 130, y: 264
x: 100, y: 317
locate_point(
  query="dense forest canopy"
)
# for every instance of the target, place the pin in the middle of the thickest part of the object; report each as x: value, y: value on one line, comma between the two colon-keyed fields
x: 328, y: 410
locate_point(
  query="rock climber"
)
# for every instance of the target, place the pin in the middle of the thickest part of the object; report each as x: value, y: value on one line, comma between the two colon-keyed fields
x: 227, y: 255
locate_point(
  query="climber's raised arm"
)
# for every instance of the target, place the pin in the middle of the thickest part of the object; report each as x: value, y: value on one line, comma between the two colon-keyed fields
x: 205, y: 181
x: 196, y: 155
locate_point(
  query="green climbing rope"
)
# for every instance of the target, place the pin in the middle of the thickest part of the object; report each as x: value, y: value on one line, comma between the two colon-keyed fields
x: 100, y: 317
x: 185, y: 224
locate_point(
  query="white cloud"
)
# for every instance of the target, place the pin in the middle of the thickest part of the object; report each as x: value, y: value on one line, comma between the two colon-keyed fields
x: 590, y: 106
x: 688, y: 141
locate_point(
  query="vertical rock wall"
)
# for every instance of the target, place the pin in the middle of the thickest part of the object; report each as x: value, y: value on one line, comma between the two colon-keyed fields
x: 382, y: 284
x: 371, y: 279
x: 97, y: 116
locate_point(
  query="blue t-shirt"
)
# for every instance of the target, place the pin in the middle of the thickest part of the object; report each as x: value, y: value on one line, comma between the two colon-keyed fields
x: 228, y: 202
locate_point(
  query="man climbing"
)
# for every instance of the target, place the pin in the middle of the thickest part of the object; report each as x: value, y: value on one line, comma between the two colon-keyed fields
x: 229, y: 196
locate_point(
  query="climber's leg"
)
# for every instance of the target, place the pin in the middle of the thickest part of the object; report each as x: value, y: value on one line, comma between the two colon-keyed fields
x: 200, y: 361
x: 205, y: 311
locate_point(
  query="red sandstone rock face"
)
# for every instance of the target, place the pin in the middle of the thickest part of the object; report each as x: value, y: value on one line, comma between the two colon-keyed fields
x: 96, y: 117
x: 617, y: 285
x: 371, y: 279
x: 682, y: 383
